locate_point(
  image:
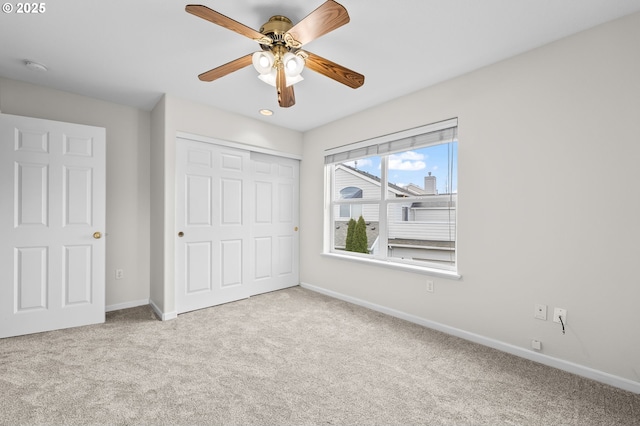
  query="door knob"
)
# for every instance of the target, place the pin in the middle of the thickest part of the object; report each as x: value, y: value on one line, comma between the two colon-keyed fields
x: 97, y: 235
x: 180, y: 234
x: 295, y: 229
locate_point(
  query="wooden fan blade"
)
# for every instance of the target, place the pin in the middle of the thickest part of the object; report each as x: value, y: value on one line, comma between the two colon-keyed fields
x: 329, y: 16
x: 286, y: 97
x: 332, y: 70
x: 227, y: 68
x: 219, y: 19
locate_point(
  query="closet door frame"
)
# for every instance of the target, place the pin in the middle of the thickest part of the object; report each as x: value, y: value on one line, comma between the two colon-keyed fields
x: 205, y: 168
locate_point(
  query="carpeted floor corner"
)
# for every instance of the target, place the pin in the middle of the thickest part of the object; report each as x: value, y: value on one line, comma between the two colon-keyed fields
x: 288, y: 357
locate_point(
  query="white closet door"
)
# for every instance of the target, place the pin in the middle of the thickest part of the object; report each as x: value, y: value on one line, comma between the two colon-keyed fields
x: 274, y: 225
x: 236, y: 224
x: 52, y: 222
x: 212, y: 221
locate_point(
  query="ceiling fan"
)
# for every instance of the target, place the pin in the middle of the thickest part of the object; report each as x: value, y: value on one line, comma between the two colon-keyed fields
x: 281, y: 59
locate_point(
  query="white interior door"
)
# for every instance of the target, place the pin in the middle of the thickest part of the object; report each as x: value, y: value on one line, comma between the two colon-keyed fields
x: 236, y: 219
x: 52, y: 221
x: 274, y: 224
x: 212, y: 195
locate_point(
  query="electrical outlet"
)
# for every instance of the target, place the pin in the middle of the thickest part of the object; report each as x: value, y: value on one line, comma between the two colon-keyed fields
x: 556, y: 315
x: 536, y: 344
x: 119, y: 274
x: 540, y: 312
x: 430, y: 286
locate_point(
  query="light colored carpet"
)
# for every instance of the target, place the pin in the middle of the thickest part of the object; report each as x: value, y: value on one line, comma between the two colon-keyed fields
x: 288, y: 357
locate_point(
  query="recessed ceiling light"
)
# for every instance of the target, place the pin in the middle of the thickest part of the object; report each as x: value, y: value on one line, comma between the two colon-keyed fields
x: 35, y: 66
x: 266, y: 112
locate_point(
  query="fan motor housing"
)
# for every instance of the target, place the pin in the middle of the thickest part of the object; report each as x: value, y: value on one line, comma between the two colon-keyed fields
x: 276, y: 27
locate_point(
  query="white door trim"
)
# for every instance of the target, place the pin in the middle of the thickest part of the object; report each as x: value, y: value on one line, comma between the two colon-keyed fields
x: 237, y: 145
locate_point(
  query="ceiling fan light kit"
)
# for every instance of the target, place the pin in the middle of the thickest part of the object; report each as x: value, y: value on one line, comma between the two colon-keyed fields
x: 266, y: 64
x: 281, y: 60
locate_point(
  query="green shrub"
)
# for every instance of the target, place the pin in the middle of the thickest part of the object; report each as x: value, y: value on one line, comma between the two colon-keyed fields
x: 359, y: 242
x: 351, y: 227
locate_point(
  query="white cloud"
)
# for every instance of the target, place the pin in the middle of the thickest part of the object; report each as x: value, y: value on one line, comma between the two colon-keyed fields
x: 407, y: 161
x: 409, y: 155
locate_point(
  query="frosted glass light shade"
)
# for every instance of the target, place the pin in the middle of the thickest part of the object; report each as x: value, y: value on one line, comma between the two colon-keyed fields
x: 293, y: 64
x: 263, y: 62
x: 269, y: 78
x: 293, y: 80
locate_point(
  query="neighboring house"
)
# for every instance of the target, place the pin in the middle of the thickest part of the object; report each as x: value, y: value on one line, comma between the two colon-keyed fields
x: 352, y: 183
x: 422, y: 228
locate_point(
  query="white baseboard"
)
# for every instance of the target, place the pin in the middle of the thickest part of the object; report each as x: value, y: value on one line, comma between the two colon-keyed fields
x: 164, y: 316
x: 580, y: 370
x: 126, y: 305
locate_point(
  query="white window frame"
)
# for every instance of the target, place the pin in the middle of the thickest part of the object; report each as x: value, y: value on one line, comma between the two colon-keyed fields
x: 372, y: 147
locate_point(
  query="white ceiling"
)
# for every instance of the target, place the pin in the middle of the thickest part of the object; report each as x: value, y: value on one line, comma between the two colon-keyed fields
x: 132, y: 51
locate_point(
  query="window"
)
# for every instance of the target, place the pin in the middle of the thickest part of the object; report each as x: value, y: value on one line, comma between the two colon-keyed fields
x: 405, y: 187
x: 350, y: 210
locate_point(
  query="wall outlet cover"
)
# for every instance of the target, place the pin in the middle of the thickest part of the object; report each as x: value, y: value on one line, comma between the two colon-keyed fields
x: 430, y: 286
x: 556, y: 315
x: 540, y: 311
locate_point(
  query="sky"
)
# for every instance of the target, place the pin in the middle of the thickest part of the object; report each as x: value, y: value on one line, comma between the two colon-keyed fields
x: 412, y: 166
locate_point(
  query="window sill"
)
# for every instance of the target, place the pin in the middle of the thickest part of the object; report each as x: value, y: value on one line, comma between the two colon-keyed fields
x: 398, y: 266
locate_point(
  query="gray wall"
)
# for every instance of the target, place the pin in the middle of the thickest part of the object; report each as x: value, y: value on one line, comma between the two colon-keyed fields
x: 127, y: 177
x: 548, y: 208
